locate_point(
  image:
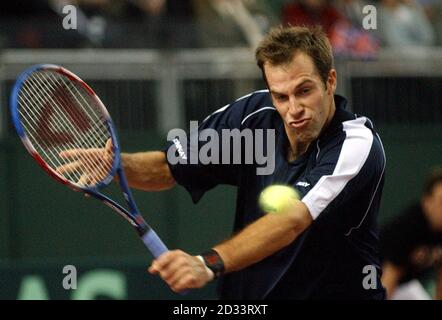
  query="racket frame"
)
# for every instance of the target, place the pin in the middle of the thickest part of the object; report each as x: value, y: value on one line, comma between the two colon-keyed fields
x: 133, y: 216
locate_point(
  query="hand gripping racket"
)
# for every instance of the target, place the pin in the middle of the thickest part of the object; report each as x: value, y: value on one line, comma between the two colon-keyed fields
x: 69, y: 133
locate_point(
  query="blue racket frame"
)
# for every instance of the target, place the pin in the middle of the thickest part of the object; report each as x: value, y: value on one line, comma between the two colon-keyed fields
x: 133, y: 216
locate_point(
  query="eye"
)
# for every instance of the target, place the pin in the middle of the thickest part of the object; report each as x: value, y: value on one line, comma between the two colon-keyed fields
x: 304, y: 91
x: 280, y: 97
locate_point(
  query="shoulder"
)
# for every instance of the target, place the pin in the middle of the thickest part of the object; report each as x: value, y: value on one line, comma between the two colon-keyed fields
x: 354, y: 147
x: 363, y: 142
x: 361, y: 129
x: 248, y: 110
x: 257, y: 107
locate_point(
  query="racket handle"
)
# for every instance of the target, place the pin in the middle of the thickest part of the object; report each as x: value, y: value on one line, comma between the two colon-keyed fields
x: 157, y: 247
x: 154, y: 243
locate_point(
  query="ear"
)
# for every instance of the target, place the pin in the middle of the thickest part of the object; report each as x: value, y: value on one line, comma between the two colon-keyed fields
x: 331, y: 82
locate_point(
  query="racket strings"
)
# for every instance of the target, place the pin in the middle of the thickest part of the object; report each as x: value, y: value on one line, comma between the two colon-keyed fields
x: 91, y: 112
x: 98, y: 120
x: 66, y: 100
x: 45, y: 129
x: 91, y: 163
x: 60, y: 115
x: 103, y: 135
x: 42, y: 145
x: 47, y: 147
x: 26, y: 119
x: 89, y: 141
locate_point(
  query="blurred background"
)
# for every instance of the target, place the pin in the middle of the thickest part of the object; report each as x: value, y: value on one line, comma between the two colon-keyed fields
x: 156, y: 65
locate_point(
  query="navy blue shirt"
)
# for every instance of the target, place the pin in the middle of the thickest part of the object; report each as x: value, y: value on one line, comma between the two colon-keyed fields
x: 340, y: 179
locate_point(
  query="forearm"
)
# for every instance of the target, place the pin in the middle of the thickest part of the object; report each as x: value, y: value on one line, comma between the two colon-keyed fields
x: 147, y: 171
x: 257, y: 241
x: 264, y: 237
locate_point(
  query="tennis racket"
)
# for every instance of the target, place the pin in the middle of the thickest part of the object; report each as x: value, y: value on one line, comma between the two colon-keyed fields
x: 69, y: 133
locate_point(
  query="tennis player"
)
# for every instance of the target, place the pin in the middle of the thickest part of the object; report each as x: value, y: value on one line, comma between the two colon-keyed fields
x: 325, y: 245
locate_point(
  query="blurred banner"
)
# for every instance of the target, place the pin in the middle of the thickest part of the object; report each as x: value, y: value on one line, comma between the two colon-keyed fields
x: 86, y: 281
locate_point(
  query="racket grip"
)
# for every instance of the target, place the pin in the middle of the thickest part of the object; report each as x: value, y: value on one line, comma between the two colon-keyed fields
x: 157, y: 247
x: 154, y: 243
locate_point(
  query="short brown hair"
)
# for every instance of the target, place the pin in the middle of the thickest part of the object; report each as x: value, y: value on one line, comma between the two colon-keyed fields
x: 281, y: 44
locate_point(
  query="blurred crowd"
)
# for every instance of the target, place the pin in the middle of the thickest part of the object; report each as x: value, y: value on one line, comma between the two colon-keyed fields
x: 218, y: 23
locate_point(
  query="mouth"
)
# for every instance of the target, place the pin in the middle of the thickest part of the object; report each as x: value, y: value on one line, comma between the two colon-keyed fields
x: 299, y: 124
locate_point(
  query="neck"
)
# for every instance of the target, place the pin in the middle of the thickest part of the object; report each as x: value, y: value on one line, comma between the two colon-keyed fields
x: 331, y: 114
x: 296, y: 148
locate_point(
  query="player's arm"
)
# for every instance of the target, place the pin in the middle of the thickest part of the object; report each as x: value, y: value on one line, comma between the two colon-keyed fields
x: 257, y: 241
x: 144, y: 170
x: 264, y: 237
x: 147, y: 171
x: 391, y: 275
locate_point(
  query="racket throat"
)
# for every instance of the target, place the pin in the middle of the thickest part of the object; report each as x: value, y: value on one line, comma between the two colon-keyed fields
x: 142, y: 228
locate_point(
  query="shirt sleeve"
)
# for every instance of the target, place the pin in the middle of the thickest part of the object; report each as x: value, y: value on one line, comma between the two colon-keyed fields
x: 355, y: 156
x: 196, y: 157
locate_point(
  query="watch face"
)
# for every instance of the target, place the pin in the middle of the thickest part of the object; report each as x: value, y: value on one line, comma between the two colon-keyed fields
x: 212, y: 259
x: 214, y: 262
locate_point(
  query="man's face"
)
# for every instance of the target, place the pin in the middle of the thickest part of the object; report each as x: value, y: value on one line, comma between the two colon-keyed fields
x: 433, y: 207
x: 301, y: 98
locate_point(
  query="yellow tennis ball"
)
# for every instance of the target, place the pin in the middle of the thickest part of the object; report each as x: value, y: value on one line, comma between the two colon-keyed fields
x: 276, y: 198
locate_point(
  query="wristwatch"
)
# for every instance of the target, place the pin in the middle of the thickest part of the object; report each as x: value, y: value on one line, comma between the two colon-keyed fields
x: 214, y: 262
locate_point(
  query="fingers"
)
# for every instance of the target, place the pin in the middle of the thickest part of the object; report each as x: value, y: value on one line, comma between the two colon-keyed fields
x: 69, y: 167
x: 84, y: 180
x: 71, y: 153
x: 91, y: 178
x: 108, y: 146
x: 186, y: 282
x: 174, y: 270
x: 183, y: 279
x: 161, y: 263
x: 89, y: 175
x: 94, y: 163
x: 180, y: 270
x: 106, y: 165
x: 94, y: 180
x: 82, y: 153
x: 108, y: 152
x: 92, y: 154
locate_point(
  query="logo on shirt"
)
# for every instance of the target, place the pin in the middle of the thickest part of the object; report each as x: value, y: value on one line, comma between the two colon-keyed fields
x: 223, y: 146
x: 179, y: 148
x: 303, y: 184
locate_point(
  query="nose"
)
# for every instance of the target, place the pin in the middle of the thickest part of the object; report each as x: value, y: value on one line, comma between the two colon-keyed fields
x: 295, y: 108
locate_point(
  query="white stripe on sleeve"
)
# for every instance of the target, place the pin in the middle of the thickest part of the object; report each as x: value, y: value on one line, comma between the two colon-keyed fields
x: 353, y: 155
x: 255, y: 112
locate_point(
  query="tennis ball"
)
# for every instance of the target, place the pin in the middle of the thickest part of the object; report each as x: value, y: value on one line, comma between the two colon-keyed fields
x: 276, y: 198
